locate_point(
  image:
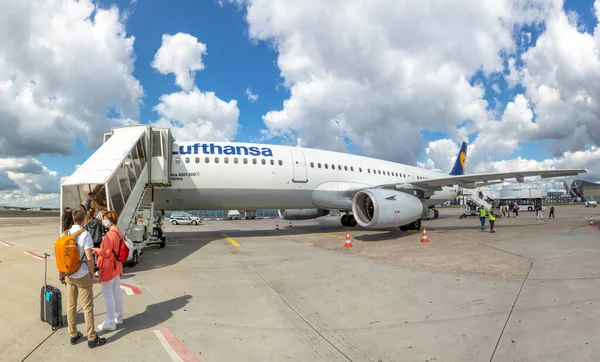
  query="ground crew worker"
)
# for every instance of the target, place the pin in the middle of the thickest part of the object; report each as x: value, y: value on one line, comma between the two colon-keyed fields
x: 491, y: 218
x: 482, y: 213
x: 551, y: 212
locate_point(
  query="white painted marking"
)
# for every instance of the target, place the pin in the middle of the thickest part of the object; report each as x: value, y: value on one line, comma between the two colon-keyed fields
x: 167, y: 346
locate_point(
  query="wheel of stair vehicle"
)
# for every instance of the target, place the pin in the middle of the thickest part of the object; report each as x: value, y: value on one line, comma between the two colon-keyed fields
x: 134, y: 259
x: 157, y: 232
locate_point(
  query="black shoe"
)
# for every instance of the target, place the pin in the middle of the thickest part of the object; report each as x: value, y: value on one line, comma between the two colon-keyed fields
x: 97, y: 342
x: 74, y: 340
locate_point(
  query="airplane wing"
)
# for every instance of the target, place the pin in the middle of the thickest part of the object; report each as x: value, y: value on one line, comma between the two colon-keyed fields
x: 473, y: 180
x: 469, y: 181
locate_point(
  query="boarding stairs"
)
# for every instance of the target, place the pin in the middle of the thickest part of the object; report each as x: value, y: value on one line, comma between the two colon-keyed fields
x: 473, y: 196
x: 131, y: 161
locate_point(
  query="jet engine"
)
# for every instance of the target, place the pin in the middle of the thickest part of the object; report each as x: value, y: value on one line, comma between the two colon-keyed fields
x: 381, y: 208
x: 302, y: 214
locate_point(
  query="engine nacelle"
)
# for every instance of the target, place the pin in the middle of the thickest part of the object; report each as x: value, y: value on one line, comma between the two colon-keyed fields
x: 381, y: 208
x: 302, y: 214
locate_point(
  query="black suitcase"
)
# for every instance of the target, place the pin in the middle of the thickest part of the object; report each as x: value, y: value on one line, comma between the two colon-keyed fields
x: 50, y: 301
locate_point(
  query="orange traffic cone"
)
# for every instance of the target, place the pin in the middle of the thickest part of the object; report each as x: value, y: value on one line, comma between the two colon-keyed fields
x: 276, y: 225
x: 591, y: 221
x: 424, y: 239
x: 348, y: 242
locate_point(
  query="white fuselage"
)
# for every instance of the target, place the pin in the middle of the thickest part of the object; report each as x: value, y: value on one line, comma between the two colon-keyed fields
x: 231, y: 175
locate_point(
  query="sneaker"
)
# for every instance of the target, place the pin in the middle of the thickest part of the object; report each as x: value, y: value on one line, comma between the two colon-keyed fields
x: 97, y: 342
x: 106, y: 327
x: 74, y: 340
x: 119, y: 321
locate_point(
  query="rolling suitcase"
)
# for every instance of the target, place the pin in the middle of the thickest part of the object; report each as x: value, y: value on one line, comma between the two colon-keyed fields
x: 50, y: 301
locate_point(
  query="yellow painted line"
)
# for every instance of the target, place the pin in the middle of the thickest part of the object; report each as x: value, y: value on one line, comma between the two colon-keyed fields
x: 232, y: 241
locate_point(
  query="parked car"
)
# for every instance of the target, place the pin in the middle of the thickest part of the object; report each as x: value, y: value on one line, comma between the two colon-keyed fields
x: 591, y: 204
x: 234, y: 215
x: 184, y: 219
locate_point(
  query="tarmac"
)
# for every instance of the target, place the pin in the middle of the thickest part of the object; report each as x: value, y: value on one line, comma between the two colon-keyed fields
x: 241, y: 290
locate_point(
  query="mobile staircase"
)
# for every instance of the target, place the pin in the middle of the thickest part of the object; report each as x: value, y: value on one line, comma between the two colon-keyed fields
x: 120, y: 173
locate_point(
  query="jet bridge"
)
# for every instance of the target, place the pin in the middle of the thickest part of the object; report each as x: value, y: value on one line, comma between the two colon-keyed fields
x: 130, y: 162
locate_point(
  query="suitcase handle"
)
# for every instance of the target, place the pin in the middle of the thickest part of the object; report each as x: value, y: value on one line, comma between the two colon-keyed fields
x: 46, y: 255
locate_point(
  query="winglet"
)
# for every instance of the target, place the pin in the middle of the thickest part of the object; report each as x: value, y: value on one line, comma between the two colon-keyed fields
x: 459, y: 165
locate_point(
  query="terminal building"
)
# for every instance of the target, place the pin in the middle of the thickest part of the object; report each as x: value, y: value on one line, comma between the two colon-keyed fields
x: 583, y: 190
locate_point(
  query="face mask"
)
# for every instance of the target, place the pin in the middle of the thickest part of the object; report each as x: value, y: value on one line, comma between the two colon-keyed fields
x: 106, y: 223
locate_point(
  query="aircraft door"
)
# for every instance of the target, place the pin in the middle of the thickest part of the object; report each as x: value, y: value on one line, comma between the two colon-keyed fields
x: 299, y: 164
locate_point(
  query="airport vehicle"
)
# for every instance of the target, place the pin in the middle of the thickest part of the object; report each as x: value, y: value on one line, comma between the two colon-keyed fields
x: 183, y: 218
x: 139, y: 166
x: 234, y: 215
x: 249, y: 214
x: 591, y: 204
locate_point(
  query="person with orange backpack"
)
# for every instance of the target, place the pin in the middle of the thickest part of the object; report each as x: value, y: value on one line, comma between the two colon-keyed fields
x: 74, y: 260
x: 111, y: 254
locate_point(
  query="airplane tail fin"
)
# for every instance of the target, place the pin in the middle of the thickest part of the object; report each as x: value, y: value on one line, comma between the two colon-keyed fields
x: 459, y: 165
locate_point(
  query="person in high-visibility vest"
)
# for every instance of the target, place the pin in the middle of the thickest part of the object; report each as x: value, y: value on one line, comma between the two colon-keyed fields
x: 491, y: 218
x: 482, y: 214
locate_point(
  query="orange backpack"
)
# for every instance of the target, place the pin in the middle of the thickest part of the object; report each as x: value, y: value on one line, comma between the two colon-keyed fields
x: 67, y: 255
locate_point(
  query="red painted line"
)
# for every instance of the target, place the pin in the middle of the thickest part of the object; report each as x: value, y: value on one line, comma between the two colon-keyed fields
x: 33, y: 255
x: 178, y: 347
x: 133, y: 288
x: 5, y: 243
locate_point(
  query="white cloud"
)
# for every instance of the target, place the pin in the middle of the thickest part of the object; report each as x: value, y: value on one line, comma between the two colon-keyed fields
x: 441, y: 155
x: 251, y: 96
x: 180, y: 54
x: 192, y: 115
x: 27, y: 182
x: 358, y: 74
x: 198, y: 116
x: 64, y: 65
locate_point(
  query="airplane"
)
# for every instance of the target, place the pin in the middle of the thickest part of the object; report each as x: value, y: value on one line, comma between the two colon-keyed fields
x: 306, y: 183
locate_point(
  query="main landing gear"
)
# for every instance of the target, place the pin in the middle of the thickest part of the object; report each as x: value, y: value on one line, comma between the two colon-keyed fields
x: 348, y: 220
x: 415, y: 225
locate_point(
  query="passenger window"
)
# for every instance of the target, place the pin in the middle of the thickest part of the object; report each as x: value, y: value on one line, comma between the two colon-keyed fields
x: 326, y: 166
x: 333, y: 167
x: 187, y: 160
x: 207, y: 160
x: 319, y: 164
x: 312, y: 165
x: 235, y: 160
x: 272, y: 162
x: 177, y: 160
x: 245, y: 160
x: 345, y: 168
x: 339, y: 167
x: 263, y: 161
x: 360, y: 169
x: 226, y: 159
x: 254, y: 161
x: 351, y: 168
x: 197, y: 160
x: 216, y: 160
x: 369, y: 170
x: 280, y: 163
